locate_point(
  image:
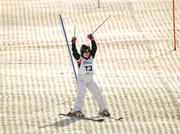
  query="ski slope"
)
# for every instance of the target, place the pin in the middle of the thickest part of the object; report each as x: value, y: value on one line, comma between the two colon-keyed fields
x: 136, y: 68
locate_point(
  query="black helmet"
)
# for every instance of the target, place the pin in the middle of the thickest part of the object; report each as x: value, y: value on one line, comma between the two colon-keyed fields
x: 84, y: 48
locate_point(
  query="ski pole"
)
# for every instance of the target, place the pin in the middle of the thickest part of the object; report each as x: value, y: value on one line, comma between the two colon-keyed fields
x: 68, y: 46
x: 74, y: 30
x: 100, y: 25
x: 98, y: 3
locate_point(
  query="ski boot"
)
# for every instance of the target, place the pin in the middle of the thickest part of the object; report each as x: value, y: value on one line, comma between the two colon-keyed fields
x: 105, y: 113
x: 76, y: 114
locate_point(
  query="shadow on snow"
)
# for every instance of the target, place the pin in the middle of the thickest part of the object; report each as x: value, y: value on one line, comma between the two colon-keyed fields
x: 62, y: 123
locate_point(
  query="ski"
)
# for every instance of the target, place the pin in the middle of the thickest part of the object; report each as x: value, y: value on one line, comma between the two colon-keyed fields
x: 110, y: 117
x: 85, y: 118
x: 114, y: 118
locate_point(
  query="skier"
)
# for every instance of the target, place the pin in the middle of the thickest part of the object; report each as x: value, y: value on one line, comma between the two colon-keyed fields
x: 85, y: 77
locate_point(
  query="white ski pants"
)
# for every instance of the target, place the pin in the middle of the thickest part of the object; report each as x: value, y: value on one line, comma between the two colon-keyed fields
x: 92, y: 86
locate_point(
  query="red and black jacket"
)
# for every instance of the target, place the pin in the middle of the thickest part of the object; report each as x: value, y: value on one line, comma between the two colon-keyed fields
x: 92, y: 53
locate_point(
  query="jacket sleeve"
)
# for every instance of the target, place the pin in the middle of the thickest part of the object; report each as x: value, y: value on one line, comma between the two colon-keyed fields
x: 94, y: 48
x: 75, y: 53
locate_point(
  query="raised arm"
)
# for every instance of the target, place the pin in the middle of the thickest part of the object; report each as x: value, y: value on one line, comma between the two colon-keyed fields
x: 94, y: 46
x: 75, y: 53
